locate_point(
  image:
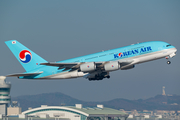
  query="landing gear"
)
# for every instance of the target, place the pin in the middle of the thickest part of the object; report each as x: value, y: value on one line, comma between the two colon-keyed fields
x: 97, y: 77
x: 168, y: 62
x: 93, y: 79
x: 108, y: 76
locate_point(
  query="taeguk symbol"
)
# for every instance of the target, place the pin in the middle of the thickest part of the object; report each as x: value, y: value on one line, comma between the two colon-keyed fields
x: 25, y: 56
x: 120, y: 54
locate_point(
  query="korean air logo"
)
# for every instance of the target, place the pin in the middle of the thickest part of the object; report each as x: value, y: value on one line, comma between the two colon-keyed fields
x: 133, y: 52
x: 25, y: 56
x: 120, y: 54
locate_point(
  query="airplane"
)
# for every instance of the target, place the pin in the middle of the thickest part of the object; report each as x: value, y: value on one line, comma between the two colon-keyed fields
x: 95, y: 66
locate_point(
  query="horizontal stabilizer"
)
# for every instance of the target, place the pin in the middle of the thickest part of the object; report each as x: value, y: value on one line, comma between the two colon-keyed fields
x: 23, y: 74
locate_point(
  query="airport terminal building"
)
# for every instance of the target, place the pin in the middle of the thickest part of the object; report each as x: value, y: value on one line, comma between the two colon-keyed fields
x: 77, y: 112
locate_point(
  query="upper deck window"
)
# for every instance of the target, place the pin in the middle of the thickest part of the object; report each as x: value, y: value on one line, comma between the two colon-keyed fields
x: 168, y: 45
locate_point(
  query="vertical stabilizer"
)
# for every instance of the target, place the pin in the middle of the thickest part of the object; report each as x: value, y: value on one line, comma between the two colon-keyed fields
x: 28, y: 59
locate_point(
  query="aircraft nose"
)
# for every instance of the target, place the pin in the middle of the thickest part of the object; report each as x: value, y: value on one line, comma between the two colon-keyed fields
x: 175, y: 50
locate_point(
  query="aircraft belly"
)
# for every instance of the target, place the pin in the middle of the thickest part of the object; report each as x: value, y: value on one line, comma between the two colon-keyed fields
x: 65, y: 75
x: 151, y: 57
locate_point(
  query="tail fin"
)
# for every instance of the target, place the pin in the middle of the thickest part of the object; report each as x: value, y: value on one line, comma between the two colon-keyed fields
x: 28, y: 59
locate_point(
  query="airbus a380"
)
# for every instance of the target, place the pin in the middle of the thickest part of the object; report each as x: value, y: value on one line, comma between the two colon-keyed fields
x: 94, y: 66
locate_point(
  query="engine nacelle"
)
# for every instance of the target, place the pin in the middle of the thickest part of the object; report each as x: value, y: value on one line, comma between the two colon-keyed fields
x: 129, y: 67
x: 87, y: 67
x: 112, y: 66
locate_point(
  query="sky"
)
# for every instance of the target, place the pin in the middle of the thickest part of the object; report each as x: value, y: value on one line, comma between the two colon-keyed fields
x: 62, y: 29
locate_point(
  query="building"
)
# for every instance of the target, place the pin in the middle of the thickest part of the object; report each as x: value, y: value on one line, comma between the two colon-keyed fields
x: 13, y: 111
x: 163, y: 91
x: 77, y: 112
x: 4, y: 95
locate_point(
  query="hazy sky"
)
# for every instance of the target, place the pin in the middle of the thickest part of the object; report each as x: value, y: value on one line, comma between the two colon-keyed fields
x: 63, y: 29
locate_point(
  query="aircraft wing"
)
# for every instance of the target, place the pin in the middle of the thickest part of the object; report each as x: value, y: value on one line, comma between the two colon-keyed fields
x: 23, y: 74
x: 59, y: 64
x: 71, y: 65
x: 67, y: 66
x: 74, y: 66
x: 128, y: 63
x: 99, y: 73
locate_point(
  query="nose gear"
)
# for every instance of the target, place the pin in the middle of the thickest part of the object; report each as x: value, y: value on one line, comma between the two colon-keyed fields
x: 168, y: 62
x: 167, y: 58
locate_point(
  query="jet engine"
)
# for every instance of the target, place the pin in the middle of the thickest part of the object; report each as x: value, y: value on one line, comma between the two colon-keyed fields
x: 112, y: 66
x: 87, y: 67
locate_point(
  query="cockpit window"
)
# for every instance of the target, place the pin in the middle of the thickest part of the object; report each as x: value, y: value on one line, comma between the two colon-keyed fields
x: 168, y: 45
